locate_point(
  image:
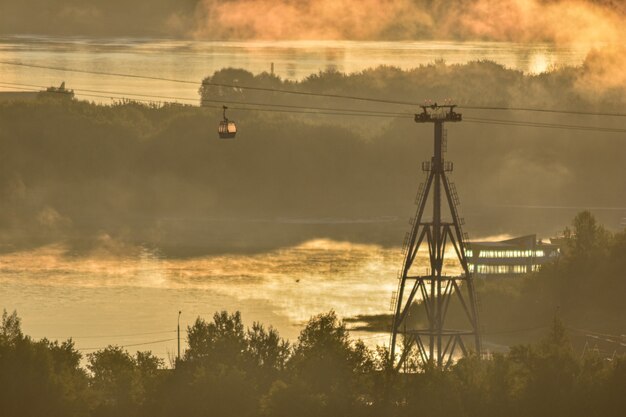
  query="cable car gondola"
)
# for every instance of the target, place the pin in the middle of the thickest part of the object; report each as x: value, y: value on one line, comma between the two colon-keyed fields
x: 227, y: 129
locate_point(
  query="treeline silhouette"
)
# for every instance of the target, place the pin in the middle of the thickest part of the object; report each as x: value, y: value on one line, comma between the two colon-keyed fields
x: 75, y: 172
x: 229, y: 370
x: 594, y: 86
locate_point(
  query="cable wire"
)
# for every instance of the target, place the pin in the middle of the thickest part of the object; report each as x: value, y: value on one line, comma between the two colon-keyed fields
x: 212, y: 84
x: 351, y: 112
x: 541, y: 124
x: 111, y: 335
x: 153, y: 342
x: 531, y: 109
x: 306, y: 93
x: 329, y: 111
x: 195, y: 100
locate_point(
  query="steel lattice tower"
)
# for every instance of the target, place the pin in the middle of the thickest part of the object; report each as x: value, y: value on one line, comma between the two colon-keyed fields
x: 435, y: 342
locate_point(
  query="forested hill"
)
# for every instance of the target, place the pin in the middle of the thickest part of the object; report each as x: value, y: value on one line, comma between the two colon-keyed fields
x: 76, y: 171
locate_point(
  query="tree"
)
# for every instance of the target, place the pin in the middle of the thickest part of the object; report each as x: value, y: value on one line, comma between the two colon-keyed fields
x: 589, y: 240
x: 39, y: 377
x: 222, y: 340
x: 225, y: 370
x: 11, y: 328
x: 328, y: 374
x: 545, y: 375
x: 122, y: 383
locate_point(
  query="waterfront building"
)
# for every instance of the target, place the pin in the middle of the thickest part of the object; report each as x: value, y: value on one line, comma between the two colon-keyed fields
x: 511, y: 257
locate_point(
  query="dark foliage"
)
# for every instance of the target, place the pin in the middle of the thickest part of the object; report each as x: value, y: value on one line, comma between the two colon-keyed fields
x: 39, y: 377
x: 231, y: 371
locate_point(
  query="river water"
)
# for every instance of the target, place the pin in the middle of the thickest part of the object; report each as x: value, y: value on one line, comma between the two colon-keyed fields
x: 194, y: 60
x: 100, y: 299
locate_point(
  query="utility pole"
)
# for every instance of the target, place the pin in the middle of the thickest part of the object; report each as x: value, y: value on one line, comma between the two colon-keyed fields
x: 178, y: 333
x: 431, y: 289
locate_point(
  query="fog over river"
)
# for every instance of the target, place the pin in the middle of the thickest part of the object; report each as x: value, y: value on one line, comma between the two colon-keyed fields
x: 103, y: 299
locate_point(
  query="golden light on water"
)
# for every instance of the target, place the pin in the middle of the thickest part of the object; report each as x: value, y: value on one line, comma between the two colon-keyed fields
x: 59, y: 295
x: 540, y: 62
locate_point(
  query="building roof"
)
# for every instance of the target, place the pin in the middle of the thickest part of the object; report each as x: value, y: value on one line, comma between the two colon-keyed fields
x: 524, y: 242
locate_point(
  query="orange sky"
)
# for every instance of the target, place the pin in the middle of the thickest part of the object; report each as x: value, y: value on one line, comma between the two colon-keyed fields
x: 561, y: 21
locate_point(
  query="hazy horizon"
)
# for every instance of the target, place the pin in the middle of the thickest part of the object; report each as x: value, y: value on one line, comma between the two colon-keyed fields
x: 238, y: 190
x: 558, y: 21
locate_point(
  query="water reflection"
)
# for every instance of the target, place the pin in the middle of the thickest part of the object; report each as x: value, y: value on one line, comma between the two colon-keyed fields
x: 540, y: 62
